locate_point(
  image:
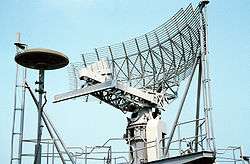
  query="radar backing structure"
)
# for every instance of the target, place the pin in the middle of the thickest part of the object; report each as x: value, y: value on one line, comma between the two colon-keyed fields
x: 142, y: 76
x: 156, y: 61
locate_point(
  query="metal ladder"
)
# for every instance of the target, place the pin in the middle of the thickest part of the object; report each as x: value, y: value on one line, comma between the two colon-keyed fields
x: 19, y: 105
x: 18, y: 115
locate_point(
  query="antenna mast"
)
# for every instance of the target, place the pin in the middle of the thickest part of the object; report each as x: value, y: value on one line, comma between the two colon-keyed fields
x: 205, y: 77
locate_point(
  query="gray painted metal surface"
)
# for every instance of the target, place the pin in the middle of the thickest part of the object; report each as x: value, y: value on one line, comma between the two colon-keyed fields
x: 193, y: 158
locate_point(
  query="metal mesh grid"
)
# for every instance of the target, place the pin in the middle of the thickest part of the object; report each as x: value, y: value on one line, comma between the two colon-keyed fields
x: 163, y: 55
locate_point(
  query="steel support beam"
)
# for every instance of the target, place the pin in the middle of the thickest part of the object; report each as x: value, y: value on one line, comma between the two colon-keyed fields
x: 198, y: 105
x: 38, y: 148
x: 50, y: 128
x: 180, y: 108
x: 83, y: 91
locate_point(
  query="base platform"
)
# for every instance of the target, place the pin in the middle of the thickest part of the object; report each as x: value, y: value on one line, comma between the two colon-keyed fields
x: 203, y: 157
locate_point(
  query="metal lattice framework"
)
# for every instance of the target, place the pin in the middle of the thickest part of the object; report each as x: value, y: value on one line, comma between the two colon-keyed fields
x: 153, y: 63
x: 158, y: 60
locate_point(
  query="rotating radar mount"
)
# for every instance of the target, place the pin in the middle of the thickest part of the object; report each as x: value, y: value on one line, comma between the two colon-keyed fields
x: 142, y: 75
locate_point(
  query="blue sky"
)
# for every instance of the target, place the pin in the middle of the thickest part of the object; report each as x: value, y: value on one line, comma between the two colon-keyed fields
x: 77, y: 26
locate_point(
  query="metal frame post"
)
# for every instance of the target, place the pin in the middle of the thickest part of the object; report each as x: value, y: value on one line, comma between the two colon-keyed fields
x: 48, y: 144
x: 38, y: 147
x: 53, y: 152
x: 179, y: 138
x: 22, y: 117
x: 86, y: 154
x: 198, y: 106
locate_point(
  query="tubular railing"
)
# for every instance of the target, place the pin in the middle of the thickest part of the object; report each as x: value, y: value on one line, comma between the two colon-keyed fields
x: 104, y: 153
x: 86, y: 153
x: 231, y: 154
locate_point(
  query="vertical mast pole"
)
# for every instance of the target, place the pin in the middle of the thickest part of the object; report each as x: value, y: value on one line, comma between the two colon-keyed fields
x: 38, y: 149
x: 205, y: 77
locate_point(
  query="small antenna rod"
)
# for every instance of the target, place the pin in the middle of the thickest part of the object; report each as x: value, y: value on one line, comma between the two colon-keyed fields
x: 18, y: 36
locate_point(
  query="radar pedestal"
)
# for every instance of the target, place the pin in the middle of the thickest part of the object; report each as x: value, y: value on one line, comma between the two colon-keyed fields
x: 144, y: 134
x: 41, y: 59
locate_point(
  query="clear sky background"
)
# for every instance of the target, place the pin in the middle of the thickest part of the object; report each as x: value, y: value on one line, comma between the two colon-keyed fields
x: 76, y: 26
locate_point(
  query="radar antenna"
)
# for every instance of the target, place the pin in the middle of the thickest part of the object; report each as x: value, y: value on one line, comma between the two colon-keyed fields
x: 142, y: 76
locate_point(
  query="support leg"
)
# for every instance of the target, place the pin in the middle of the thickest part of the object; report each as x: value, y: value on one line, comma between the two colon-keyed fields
x: 38, y: 148
x: 198, y: 106
x: 180, y: 108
